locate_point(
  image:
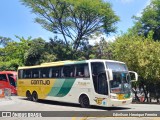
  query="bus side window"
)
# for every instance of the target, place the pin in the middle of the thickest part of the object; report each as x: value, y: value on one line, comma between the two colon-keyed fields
x: 82, y: 70
x: 3, y: 77
x: 56, y: 72
x: 97, y: 68
x: 68, y: 71
x: 35, y: 73
x: 86, y: 71
x: 11, y: 80
x: 27, y: 73
x: 79, y: 70
x: 20, y: 74
x: 44, y: 72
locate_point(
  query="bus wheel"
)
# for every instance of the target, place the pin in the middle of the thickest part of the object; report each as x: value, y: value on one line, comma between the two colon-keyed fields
x: 84, y: 101
x: 35, y: 96
x: 29, y: 96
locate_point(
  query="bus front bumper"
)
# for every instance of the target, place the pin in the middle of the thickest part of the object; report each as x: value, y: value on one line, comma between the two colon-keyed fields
x: 116, y: 102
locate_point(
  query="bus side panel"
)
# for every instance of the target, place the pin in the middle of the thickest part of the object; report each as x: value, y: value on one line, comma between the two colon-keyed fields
x: 71, y: 90
x: 42, y: 89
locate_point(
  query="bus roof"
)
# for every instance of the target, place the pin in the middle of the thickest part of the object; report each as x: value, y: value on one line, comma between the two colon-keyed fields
x: 104, y: 60
x: 67, y: 62
x: 8, y: 72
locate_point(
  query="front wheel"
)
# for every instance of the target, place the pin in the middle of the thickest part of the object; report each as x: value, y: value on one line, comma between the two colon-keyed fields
x: 84, y: 101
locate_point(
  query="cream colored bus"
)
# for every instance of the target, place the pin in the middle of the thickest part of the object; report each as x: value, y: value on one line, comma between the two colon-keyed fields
x: 89, y: 82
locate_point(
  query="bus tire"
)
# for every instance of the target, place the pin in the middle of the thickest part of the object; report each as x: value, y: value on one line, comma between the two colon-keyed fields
x: 84, y: 101
x: 29, y: 96
x: 35, y: 96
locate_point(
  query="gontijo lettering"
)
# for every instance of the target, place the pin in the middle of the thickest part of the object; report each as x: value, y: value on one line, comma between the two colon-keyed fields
x: 40, y: 82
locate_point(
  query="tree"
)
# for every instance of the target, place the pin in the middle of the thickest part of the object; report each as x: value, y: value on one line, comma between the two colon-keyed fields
x: 141, y: 55
x: 16, y: 50
x: 33, y: 55
x: 12, y: 54
x: 59, y: 49
x: 4, y: 40
x: 149, y: 21
x: 75, y: 20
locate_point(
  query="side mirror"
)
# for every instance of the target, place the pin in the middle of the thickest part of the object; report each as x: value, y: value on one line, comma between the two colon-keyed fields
x: 134, y: 76
x: 110, y: 74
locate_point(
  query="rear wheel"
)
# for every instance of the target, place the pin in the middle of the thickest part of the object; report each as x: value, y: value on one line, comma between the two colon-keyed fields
x: 84, y: 101
x: 29, y: 96
x: 35, y: 96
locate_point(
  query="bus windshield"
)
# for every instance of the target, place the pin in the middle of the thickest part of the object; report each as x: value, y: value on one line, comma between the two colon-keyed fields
x: 120, y: 83
x: 116, y: 66
x: 121, y: 79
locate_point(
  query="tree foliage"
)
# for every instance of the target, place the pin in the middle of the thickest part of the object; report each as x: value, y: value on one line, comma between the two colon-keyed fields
x: 149, y: 21
x: 101, y: 50
x: 33, y: 54
x: 4, y: 41
x: 75, y: 20
x: 143, y: 56
x: 59, y: 49
x: 12, y: 54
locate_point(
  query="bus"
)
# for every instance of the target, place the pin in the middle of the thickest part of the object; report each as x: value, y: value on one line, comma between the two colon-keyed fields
x: 8, y: 81
x: 89, y: 82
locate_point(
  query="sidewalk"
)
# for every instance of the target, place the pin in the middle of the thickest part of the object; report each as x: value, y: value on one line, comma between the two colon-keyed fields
x: 6, y: 101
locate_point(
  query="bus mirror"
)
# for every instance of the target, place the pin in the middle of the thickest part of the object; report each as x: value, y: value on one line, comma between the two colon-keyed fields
x: 110, y: 74
x: 134, y: 76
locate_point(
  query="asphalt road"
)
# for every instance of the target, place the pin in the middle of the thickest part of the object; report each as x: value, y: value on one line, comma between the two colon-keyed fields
x: 17, y: 103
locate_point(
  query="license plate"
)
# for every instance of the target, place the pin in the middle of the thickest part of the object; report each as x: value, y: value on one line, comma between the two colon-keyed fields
x: 121, y: 96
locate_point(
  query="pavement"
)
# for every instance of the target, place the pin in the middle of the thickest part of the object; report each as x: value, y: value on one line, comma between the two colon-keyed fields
x: 18, y: 103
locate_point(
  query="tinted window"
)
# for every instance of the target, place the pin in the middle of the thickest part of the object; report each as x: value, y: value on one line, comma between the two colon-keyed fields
x: 45, y: 72
x: 99, y: 78
x: 116, y: 66
x: 11, y: 80
x: 68, y: 71
x: 20, y: 74
x: 3, y: 77
x: 27, y: 73
x: 55, y: 72
x: 97, y: 68
x: 35, y: 73
x: 82, y: 70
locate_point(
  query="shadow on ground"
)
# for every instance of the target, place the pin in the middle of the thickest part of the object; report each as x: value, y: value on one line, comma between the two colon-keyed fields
x: 49, y: 102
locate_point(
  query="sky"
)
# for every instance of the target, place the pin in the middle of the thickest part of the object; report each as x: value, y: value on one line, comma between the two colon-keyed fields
x: 16, y: 19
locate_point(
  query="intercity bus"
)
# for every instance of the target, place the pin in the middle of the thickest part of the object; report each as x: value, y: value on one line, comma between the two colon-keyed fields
x: 8, y: 81
x: 89, y: 82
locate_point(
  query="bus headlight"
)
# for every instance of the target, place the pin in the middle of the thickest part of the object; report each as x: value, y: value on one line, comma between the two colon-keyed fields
x: 113, y: 96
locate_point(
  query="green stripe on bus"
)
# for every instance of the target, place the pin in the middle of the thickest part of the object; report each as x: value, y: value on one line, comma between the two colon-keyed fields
x: 127, y: 95
x: 56, y: 88
x: 68, y: 83
x: 77, y: 62
x: 80, y: 62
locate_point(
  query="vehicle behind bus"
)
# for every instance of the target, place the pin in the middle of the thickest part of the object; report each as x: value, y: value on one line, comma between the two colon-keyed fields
x: 8, y: 81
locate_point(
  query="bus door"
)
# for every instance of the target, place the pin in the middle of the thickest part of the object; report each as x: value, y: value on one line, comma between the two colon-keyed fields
x: 12, y: 82
x: 100, y: 82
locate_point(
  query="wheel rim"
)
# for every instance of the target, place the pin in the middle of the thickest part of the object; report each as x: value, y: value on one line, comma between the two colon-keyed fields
x: 35, y: 96
x: 85, y: 101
